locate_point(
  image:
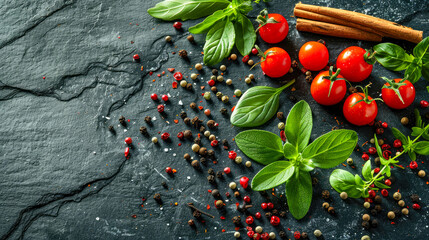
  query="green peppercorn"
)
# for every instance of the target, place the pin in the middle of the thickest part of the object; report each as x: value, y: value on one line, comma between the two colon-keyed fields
x: 238, y: 160
x: 225, y: 99
x: 213, y: 77
x: 247, y: 80
x: 194, y: 76
x: 248, y: 163
x: 237, y: 92
x: 219, y: 95
x: 207, y: 95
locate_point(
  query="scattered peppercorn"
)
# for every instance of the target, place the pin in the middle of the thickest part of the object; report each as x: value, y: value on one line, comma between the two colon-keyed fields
x: 191, y: 223
x: 198, y: 66
x: 391, y: 215
x: 168, y: 38
x: 122, y: 121
x: 377, y: 199
x: 183, y: 53
x: 280, y: 115
x: 325, y: 194
x: 236, y: 220
x: 378, y: 208
x: 222, y: 68
x: 317, y: 233
x: 401, y: 203
x: 325, y: 205
x: 405, y: 121
x: 367, y: 205
x: 157, y: 197
x: 366, y: 224
x: 202, y: 151
x: 366, y: 217
x: 211, y: 179
x: 155, y: 140
x: 397, y: 196
x: 111, y: 129
x: 148, y: 119
x: 415, y: 198
x: 195, y: 164
x: 225, y: 99
x: 349, y: 161
x: 343, y: 195
x: 331, y: 210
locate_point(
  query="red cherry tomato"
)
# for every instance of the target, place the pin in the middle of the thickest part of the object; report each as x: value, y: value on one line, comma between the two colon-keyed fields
x: 314, y: 56
x: 277, y: 62
x: 274, y: 32
x: 353, y: 65
x: 320, y: 89
x: 361, y: 113
x: 407, y: 91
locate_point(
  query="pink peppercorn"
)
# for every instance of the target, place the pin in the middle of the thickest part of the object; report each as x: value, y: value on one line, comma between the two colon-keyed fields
x: 371, y: 193
x: 136, y: 57
x: 264, y: 206
x: 258, y: 215
x: 165, y: 136
x: 214, y: 143
x: 270, y: 205
x: 164, y: 98
x: 397, y: 143
x: 127, y: 152
x: 232, y: 155
x: 160, y: 108
x: 154, y: 97
x: 249, y: 220
x: 416, y: 206
x: 244, y: 182
x: 227, y: 170
x: 275, y: 221
x: 413, y: 165
x: 246, y: 199
x: 365, y: 157
x: 372, y: 150
x: 245, y: 58
x: 424, y: 104
x: 180, y: 135
x: 254, y: 51
x: 384, y: 193
x: 211, y: 82
x: 128, y: 140
x: 297, y: 235
x: 177, y: 25
x: 168, y: 170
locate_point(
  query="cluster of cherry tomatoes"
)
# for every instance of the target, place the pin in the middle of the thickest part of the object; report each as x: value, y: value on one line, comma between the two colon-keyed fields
x: 354, y: 64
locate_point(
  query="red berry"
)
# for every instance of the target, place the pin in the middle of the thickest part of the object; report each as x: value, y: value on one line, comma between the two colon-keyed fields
x: 283, y: 135
x: 376, y: 170
x: 232, y: 155
x: 388, y: 182
x: 245, y: 58
x: 154, y: 97
x: 365, y: 157
x: 214, y: 143
x: 227, y: 170
x: 371, y: 193
x: 249, y: 220
x: 270, y: 205
x: 384, y: 192
x: 177, y: 25
x: 385, y: 146
x: 265, y: 236
x: 384, y: 125
x: 160, y: 108
x: 379, y: 131
x: 416, y: 206
x: 211, y: 82
x: 127, y: 152
x: 368, y: 200
x: 256, y: 236
x: 128, y: 140
x: 372, y: 185
x: 136, y: 57
x: 264, y: 205
x: 275, y: 221
x: 424, y: 104
x: 165, y: 136
x: 250, y: 234
x: 413, y: 165
x: 178, y: 76
x: 207, y: 112
x: 246, y: 199
x: 397, y: 143
x: 168, y: 170
x: 258, y: 215
x: 180, y: 135
x: 244, y: 182
x: 254, y: 51
x: 372, y: 150
x: 387, y: 154
x: 164, y: 98
x: 297, y: 235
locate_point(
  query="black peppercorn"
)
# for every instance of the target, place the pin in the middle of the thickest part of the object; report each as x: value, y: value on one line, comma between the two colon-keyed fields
x: 187, y: 133
x: 202, y: 129
x: 122, y: 121
x: 196, y: 214
x: 275, y: 212
x: 325, y: 194
x: 223, y: 111
x: 183, y: 53
x: 280, y: 115
x: 214, y: 71
x: 157, y: 197
x: 197, y: 140
x: 203, y: 151
x: 397, y: 212
x: 308, y: 79
x: 236, y: 220
x: 294, y: 64
x: 378, y: 208
x: 304, y: 235
x: 211, y: 124
x: 237, y: 194
x: 189, y: 86
x: 268, y: 215
x: 374, y: 212
x: 282, y: 234
x: 215, y: 192
x: 377, y: 199
x: 187, y: 121
x: 183, y: 115
x: 415, y: 198
x: 211, y: 171
x: 164, y: 185
x: 219, y: 174
x: 374, y: 223
x: 225, y: 142
x: 210, y: 153
x: 203, y: 160
x: 190, y: 38
x: 282, y: 214
x: 187, y: 157
x: 314, y: 181
x: 143, y: 130
x: 195, y: 164
x: 331, y: 210
x: 377, y: 161
x: 211, y: 179
x: 148, y: 119
x: 191, y: 223
x: 352, y: 90
x: 292, y: 98
x: 193, y: 105
x: 214, y: 89
x: 111, y: 128
x: 366, y: 224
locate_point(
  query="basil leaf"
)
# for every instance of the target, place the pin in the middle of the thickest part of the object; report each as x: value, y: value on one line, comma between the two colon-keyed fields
x: 205, y: 25
x: 299, y: 193
x: 414, y: 70
x: 343, y: 181
x: 289, y: 151
x: 425, y: 69
x: 331, y: 149
x: 262, y: 146
x: 366, y: 171
x: 186, y: 9
x: 419, y: 122
x: 377, y: 146
x: 245, y: 7
x: 299, y: 123
x: 219, y: 42
x: 400, y: 136
x: 272, y: 175
x: 245, y: 34
x: 421, y: 147
x: 422, y: 48
x: 257, y: 106
x: 392, y: 56
x: 380, y: 185
x: 359, y: 182
x: 412, y: 156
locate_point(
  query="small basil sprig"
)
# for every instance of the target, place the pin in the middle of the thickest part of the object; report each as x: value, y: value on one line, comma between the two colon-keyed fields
x: 343, y: 181
x: 419, y: 126
x: 257, y: 106
x: 227, y: 25
x: 267, y: 148
x: 394, y: 58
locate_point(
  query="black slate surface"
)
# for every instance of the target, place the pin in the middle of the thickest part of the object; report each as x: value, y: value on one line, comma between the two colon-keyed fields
x: 63, y: 174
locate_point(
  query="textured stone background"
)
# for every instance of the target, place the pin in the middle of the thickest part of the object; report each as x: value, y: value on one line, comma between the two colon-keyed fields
x: 63, y: 174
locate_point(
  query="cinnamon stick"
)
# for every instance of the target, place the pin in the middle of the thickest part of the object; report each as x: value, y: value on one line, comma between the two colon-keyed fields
x: 335, y: 30
x: 386, y: 28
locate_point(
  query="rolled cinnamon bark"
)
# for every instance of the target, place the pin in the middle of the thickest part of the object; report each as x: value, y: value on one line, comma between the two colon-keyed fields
x: 387, y: 28
x: 335, y: 30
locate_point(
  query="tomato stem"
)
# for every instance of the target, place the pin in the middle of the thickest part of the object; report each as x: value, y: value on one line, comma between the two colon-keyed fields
x: 365, y: 98
x: 263, y: 19
x: 395, y: 86
x: 369, y: 56
x: 333, y: 78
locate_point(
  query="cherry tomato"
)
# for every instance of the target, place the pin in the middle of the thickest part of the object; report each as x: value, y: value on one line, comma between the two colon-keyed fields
x: 276, y: 62
x: 353, y: 64
x: 314, y: 56
x: 274, y: 32
x: 320, y: 89
x: 361, y: 113
x: 407, y: 91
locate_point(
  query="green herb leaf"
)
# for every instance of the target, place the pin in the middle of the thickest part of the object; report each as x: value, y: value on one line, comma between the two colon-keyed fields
x: 343, y: 181
x: 380, y: 185
x: 299, y: 123
x: 243, y: 7
x: 245, y: 34
x: 377, y: 146
x: 359, y: 182
x: 366, y: 171
x: 186, y: 9
x: 422, y: 48
x: 421, y: 147
x: 219, y: 42
x: 331, y: 149
x: 299, y: 192
x: 272, y: 175
x: 400, y: 136
x: 392, y: 56
x: 289, y: 151
x: 257, y: 106
x: 412, y: 156
x: 205, y: 25
x: 425, y: 69
x: 414, y: 70
x: 262, y: 146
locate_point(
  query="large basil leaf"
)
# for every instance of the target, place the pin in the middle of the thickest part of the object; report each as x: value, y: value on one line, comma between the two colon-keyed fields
x: 299, y: 193
x: 219, y: 42
x: 421, y: 147
x: 392, y: 56
x: 414, y: 70
x: 257, y: 106
x: 331, y: 149
x: 245, y: 34
x: 262, y: 146
x: 186, y: 9
x: 343, y: 181
x: 366, y: 171
x: 299, y: 123
x: 272, y: 175
x: 205, y: 25
x: 422, y: 48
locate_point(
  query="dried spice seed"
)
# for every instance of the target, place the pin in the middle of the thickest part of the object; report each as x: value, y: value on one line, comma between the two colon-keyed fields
x: 325, y: 194
x: 195, y: 164
x: 397, y: 196
x: 280, y: 115
x: 366, y: 217
x: 331, y: 210
x: 211, y: 179
x: 183, y: 53
x: 377, y: 199
x: 187, y: 134
x: 122, y: 121
x: 192, y: 105
x: 401, y: 203
x: 391, y: 215
x: 405, y: 211
x: 366, y: 224
x: 415, y: 198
